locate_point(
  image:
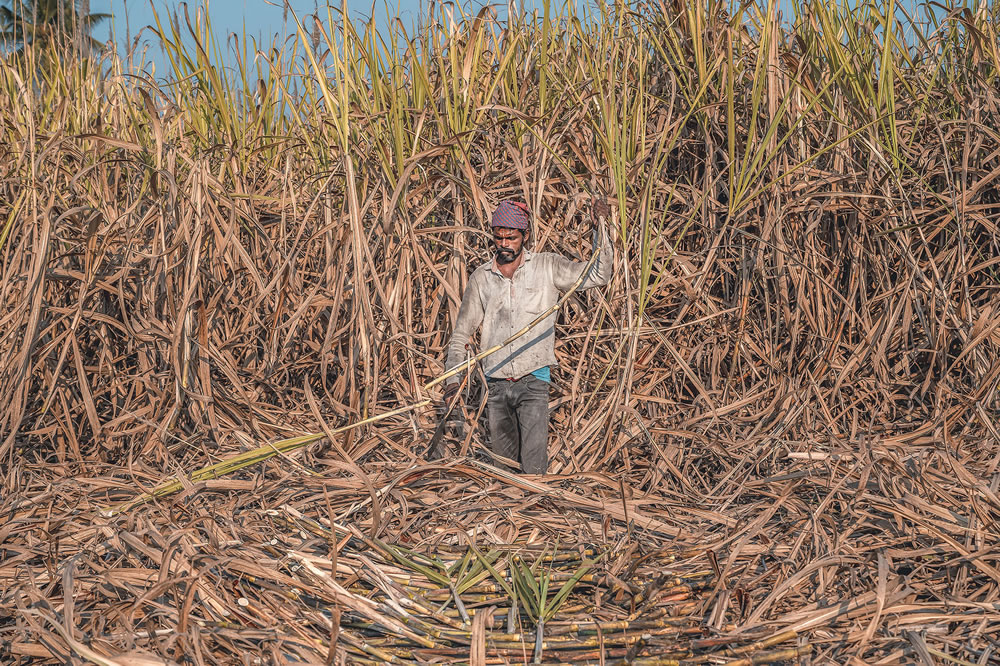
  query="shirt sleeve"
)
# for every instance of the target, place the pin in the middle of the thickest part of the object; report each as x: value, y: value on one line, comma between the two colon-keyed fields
x: 565, y: 272
x: 470, y: 316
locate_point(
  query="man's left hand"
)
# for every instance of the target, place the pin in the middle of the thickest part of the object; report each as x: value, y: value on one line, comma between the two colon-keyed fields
x: 601, y: 210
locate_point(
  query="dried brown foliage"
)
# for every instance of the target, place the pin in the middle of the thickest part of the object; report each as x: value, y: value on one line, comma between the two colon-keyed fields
x: 786, y: 398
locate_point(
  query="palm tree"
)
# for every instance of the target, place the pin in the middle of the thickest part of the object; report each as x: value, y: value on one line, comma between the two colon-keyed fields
x: 23, y: 22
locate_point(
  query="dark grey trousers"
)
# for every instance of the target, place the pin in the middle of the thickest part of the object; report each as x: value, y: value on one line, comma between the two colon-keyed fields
x: 518, y: 414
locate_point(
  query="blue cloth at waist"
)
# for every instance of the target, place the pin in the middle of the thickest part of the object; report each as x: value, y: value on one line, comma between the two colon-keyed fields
x: 543, y: 373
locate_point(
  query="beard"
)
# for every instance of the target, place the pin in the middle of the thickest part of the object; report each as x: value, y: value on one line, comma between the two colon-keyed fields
x: 505, y: 256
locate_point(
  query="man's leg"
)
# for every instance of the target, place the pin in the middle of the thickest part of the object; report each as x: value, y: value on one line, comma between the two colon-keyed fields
x: 505, y: 437
x: 532, y: 403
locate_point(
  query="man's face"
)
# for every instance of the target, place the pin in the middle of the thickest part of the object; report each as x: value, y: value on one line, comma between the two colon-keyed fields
x: 508, y: 244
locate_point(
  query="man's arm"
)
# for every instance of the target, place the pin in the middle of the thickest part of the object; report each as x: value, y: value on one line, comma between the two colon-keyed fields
x: 470, y: 316
x: 565, y: 272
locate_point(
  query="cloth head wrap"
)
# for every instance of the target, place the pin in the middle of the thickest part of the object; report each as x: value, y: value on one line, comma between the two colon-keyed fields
x: 511, y: 215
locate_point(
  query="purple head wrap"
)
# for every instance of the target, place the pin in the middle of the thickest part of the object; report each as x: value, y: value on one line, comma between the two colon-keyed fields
x: 511, y: 215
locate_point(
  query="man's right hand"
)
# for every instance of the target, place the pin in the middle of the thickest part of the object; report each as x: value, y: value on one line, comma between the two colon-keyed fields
x: 450, y: 391
x: 452, y: 411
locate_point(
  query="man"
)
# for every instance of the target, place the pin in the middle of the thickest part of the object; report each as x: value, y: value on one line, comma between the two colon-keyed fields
x: 504, y: 295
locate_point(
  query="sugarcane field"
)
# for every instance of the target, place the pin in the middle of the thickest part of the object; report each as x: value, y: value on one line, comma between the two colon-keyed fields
x: 601, y: 332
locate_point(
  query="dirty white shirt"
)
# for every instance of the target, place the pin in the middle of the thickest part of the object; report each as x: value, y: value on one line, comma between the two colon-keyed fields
x: 505, y: 306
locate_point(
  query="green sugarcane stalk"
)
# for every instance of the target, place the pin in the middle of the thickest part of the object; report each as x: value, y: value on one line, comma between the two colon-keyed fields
x: 539, y: 641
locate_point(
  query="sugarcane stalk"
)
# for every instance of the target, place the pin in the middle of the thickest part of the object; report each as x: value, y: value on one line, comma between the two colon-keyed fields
x: 539, y: 641
x: 547, y: 643
x: 773, y: 657
x: 365, y: 647
x: 777, y: 639
x: 439, y: 596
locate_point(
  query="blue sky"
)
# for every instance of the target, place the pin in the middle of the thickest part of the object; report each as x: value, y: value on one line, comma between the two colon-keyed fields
x: 262, y: 19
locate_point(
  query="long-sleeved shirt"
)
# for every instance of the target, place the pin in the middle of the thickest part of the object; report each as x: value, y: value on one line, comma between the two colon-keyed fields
x: 505, y: 306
